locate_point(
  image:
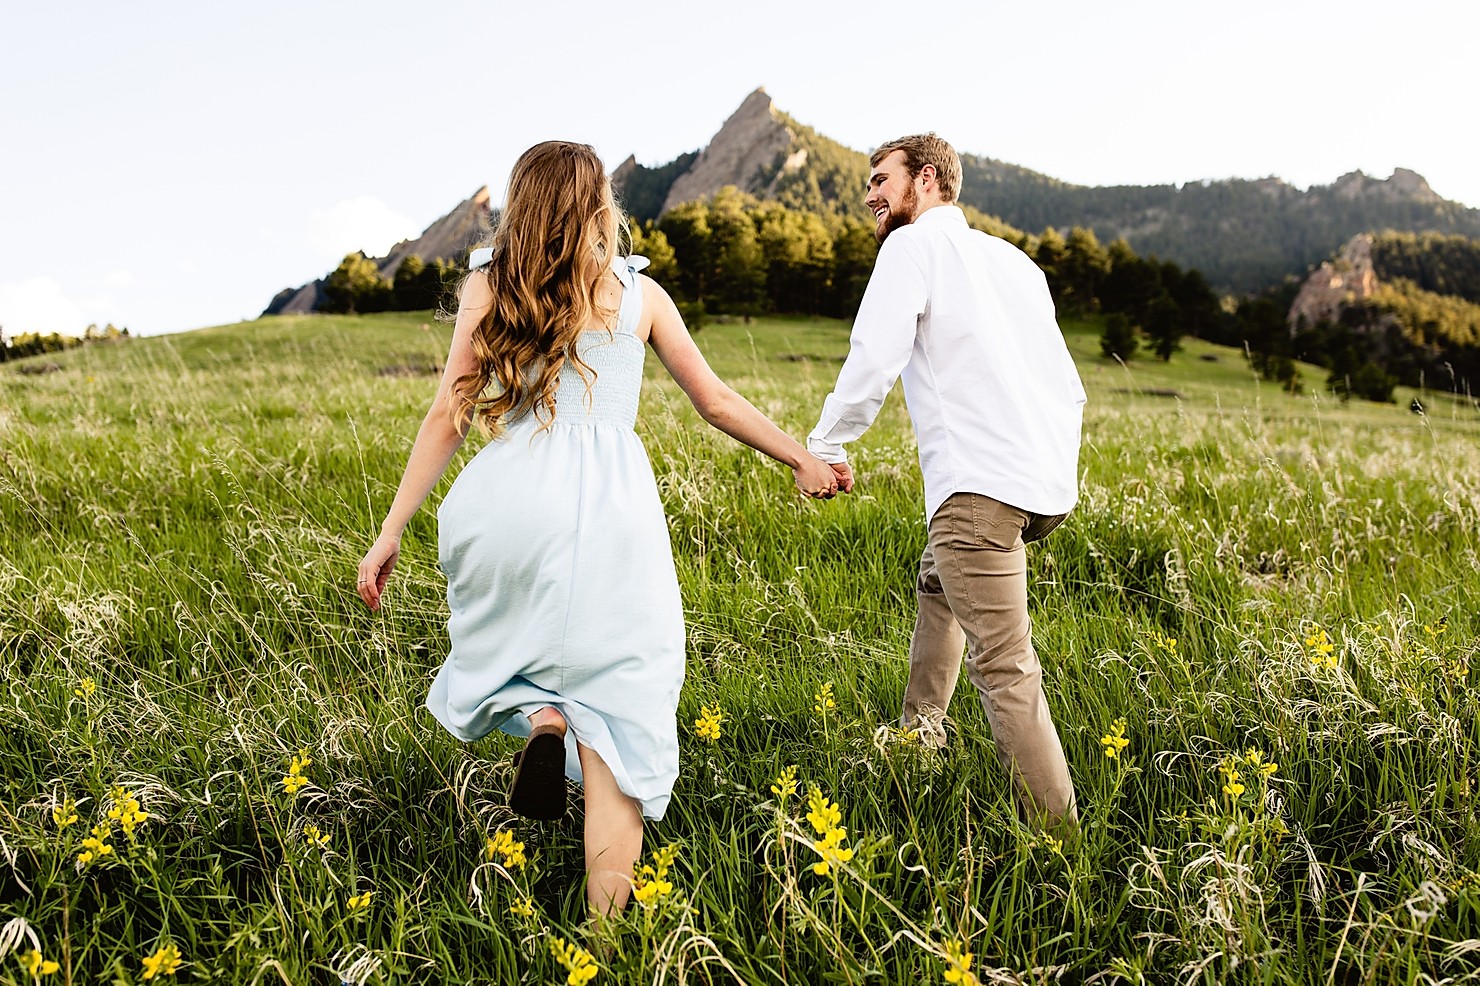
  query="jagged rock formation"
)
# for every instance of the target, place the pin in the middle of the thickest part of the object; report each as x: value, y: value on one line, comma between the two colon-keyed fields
x: 449, y: 238
x: 1336, y: 283
x: 749, y: 142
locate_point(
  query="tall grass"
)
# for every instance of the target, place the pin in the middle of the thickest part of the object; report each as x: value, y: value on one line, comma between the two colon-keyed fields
x: 1249, y: 578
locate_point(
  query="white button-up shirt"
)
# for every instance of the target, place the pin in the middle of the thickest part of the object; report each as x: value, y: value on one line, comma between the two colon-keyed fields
x: 967, y: 320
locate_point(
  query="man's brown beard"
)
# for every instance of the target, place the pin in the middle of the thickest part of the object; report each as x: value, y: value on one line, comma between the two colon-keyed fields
x: 896, y: 218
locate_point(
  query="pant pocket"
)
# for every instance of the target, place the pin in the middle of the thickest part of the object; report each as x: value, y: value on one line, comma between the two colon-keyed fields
x: 996, y: 524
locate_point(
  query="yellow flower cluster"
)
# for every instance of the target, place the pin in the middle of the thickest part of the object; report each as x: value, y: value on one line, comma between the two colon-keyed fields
x: 958, y: 965
x: 96, y: 845
x: 86, y: 689
x: 126, y: 811
x: 359, y: 902
x: 295, y: 780
x: 1115, y: 741
x: 1437, y: 627
x: 826, y: 819
x: 650, y: 882
x: 1162, y: 642
x: 1322, y: 651
x: 315, y: 838
x: 575, y: 960
x: 36, y: 966
x: 1254, y: 758
x: 164, y: 962
x: 65, y: 814
x: 786, y: 783
x: 510, y: 854
x: 707, y: 725
x: 822, y: 700
x: 522, y: 908
x: 1229, y: 769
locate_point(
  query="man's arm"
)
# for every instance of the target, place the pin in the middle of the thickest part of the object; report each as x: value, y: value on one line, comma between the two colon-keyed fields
x: 882, y: 341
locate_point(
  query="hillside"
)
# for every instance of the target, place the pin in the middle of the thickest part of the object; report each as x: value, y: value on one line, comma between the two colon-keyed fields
x: 1243, y: 235
x: 1413, y: 300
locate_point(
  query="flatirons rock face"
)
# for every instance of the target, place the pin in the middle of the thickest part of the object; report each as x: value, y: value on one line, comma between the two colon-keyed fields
x: 747, y: 143
x: 1335, y: 284
x: 449, y: 238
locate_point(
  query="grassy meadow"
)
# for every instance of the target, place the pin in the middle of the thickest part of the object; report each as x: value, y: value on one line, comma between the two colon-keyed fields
x: 217, y: 767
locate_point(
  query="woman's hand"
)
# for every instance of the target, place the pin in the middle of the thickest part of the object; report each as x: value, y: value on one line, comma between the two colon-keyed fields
x: 376, y: 568
x: 816, y: 478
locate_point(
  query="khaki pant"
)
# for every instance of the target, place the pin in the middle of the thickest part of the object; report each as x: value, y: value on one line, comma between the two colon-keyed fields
x: 973, y: 591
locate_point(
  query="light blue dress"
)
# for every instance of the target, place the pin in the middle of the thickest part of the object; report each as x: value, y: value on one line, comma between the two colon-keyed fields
x: 560, y: 579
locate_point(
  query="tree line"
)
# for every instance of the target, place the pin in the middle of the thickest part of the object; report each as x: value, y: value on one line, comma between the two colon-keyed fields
x: 737, y: 254
x: 27, y: 344
x: 1421, y: 328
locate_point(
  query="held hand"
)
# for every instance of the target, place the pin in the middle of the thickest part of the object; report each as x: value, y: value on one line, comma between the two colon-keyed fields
x: 816, y: 478
x: 376, y: 568
x: 844, y: 474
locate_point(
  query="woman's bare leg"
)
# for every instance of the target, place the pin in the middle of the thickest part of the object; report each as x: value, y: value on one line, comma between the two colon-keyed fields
x: 613, y: 835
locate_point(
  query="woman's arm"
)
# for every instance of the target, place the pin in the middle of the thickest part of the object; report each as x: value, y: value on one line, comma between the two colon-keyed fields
x: 436, y: 443
x: 718, y: 404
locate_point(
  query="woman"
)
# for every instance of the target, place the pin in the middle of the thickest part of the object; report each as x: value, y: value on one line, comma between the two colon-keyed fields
x: 565, y: 620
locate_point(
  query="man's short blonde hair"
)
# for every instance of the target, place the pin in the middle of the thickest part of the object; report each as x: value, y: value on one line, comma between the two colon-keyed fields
x: 920, y: 150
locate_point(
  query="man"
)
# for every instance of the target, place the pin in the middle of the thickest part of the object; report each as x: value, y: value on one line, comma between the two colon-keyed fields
x: 996, y: 403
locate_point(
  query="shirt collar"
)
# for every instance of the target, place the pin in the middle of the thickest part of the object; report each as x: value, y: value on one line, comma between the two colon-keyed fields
x: 942, y: 214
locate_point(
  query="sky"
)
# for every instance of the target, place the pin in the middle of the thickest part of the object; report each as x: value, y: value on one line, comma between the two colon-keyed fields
x: 167, y: 166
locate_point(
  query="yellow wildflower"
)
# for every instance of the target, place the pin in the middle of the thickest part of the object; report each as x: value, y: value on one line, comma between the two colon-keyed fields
x: 523, y: 907
x: 314, y: 837
x: 1255, y: 759
x: 95, y: 846
x: 1115, y: 741
x: 575, y: 960
x: 359, y: 902
x: 649, y: 882
x: 36, y: 966
x: 1163, y: 642
x: 86, y: 689
x: 827, y: 818
x: 1229, y: 769
x: 65, y: 813
x: 1322, y: 650
x: 958, y: 965
x: 295, y: 780
x: 822, y: 701
x: 126, y: 811
x: 1437, y: 627
x: 510, y: 853
x: 707, y: 725
x: 785, y: 784
x: 821, y: 813
x: 663, y: 858
x: 164, y: 962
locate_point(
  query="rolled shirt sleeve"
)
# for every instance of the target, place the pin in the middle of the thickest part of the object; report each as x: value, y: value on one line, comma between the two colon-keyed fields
x: 882, y: 342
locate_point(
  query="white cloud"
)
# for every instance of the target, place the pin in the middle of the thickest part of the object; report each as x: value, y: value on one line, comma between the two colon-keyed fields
x: 362, y: 223
x: 39, y: 304
x: 118, y: 279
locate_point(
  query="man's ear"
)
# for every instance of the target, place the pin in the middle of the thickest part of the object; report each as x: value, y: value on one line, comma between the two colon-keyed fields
x: 928, y: 172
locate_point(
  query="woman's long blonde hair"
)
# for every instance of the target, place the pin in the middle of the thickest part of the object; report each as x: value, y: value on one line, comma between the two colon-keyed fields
x: 555, y: 241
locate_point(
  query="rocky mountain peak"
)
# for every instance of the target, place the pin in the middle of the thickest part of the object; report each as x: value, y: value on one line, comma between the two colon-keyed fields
x: 749, y: 140
x: 1402, y: 186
